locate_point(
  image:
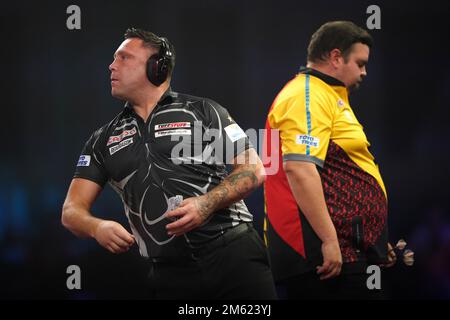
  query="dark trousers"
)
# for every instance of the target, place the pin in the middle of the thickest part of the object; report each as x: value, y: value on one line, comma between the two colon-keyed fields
x: 237, y: 268
x: 349, y: 285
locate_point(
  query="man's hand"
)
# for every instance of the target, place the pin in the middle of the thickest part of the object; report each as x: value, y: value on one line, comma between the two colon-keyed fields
x: 191, y: 214
x: 306, y: 186
x: 112, y: 236
x: 392, y: 257
x: 247, y: 174
x: 332, y: 260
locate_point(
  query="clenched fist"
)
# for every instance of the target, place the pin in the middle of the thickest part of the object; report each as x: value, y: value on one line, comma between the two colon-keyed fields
x: 112, y: 236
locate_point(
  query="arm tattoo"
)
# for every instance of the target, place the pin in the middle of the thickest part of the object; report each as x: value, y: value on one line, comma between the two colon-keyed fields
x: 234, y: 179
x: 236, y: 186
x: 212, y: 199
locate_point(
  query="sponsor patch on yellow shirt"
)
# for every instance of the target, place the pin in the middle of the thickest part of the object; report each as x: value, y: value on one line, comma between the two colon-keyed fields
x: 307, y: 140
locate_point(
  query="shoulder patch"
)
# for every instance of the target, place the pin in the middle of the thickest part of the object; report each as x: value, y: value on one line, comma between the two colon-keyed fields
x: 234, y: 132
x: 84, y: 161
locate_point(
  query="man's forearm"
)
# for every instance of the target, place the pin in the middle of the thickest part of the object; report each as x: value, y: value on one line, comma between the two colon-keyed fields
x: 235, y: 187
x: 244, y: 179
x: 79, y: 221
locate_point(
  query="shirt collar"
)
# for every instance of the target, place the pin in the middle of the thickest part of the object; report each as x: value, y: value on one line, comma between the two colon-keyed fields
x: 167, y: 96
x: 322, y: 76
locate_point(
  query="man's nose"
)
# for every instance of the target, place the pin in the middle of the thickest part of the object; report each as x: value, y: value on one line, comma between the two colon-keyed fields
x: 363, y: 72
x: 112, y: 66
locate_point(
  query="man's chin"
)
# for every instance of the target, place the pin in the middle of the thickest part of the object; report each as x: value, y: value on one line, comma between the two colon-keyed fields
x: 117, y: 95
x: 354, y: 87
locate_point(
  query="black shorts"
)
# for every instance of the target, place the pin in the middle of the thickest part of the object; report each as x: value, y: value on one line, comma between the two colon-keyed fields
x: 233, y: 266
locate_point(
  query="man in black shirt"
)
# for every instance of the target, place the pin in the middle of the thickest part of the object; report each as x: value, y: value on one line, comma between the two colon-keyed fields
x: 165, y: 154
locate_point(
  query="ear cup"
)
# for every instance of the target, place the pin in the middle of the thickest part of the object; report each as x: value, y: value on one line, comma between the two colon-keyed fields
x: 157, y: 69
x: 158, y: 65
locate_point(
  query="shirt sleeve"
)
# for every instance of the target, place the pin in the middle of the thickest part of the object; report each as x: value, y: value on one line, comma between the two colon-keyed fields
x: 91, y: 162
x: 229, y: 139
x: 304, y: 124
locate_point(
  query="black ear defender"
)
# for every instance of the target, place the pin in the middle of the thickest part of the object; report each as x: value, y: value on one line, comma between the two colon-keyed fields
x: 158, y: 64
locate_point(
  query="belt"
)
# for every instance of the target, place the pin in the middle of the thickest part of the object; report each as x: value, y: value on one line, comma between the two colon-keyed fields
x: 228, y: 236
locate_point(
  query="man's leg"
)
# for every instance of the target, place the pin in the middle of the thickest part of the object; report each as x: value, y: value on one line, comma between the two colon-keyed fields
x: 240, y: 269
x: 350, y: 284
x: 176, y: 281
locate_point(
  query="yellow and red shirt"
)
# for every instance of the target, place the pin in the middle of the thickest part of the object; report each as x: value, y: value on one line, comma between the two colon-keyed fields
x: 316, y: 123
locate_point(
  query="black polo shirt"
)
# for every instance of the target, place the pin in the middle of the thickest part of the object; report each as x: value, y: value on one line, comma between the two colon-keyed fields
x: 181, y: 151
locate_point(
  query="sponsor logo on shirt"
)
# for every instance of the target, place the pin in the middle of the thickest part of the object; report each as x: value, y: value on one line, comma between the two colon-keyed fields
x: 307, y: 140
x: 121, y: 145
x: 173, y: 125
x: 84, y: 161
x: 124, y: 134
x: 172, y: 132
x: 234, y: 132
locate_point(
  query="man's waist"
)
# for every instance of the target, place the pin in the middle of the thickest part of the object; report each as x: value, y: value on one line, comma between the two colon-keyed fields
x: 194, y: 253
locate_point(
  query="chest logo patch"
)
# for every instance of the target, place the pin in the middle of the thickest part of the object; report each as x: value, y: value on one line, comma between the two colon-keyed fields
x: 120, y: 146
x: 173, y: 125
x: 118, y: 138
x: 176, y: 132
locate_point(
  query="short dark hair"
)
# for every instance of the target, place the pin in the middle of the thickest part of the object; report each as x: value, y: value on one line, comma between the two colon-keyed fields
x: 336, y: 35
x: 151, y: 40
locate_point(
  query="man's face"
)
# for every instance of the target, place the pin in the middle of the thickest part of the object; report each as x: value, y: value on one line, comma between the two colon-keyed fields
x: 128, y: 70
x: 352, y: 72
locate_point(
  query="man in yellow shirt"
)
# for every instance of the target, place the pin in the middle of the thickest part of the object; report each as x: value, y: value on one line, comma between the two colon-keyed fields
x: 327, y: 205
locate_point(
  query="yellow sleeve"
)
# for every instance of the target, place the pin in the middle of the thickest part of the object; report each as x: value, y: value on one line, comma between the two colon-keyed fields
x: 304, y: 122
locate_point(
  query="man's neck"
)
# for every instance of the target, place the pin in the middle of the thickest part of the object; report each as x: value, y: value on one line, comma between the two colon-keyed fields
x: 323, y: 68
x: 143, y: 105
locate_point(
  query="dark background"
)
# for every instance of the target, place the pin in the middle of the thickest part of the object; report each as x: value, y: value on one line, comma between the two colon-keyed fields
x: 56, y: 91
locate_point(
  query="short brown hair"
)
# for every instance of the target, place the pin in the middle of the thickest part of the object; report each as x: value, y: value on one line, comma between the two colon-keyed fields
x: 336, y: 35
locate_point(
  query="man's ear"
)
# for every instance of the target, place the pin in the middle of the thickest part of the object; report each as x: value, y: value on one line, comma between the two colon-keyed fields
x: 336, y: 58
